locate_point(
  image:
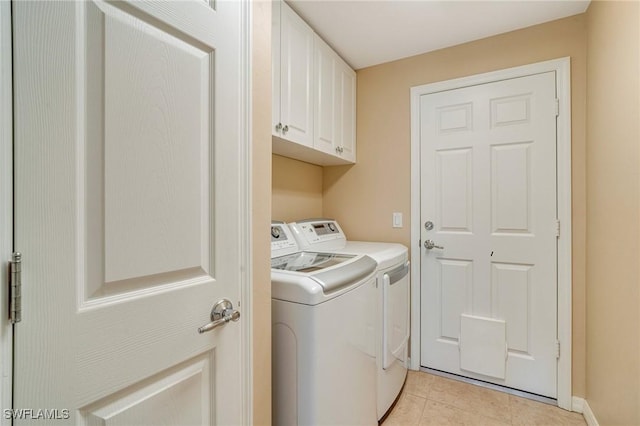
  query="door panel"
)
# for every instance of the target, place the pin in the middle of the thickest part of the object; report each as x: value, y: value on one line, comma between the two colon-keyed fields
x: 454, y: 178
x: 160, y: 398
x: 511, y: 290
x: 489, y: 185
x: 455, y: 290
x: 511, y: 188
x: 127, y: 182
x: 145, y: 197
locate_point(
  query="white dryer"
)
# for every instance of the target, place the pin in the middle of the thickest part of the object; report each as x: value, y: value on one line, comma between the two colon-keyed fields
x: 323, y: 335
x: 393, y: 283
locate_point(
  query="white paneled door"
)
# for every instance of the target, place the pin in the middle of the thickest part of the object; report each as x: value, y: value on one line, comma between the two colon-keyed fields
x: 128, y: 143
x: 488, y: 211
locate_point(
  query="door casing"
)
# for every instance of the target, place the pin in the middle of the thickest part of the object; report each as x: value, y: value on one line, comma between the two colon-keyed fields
x: 6, y: 206
x: 6, y: 211
x: 562, y: 69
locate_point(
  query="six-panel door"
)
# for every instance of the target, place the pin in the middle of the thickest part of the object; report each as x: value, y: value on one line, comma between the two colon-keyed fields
x: 488, y: 184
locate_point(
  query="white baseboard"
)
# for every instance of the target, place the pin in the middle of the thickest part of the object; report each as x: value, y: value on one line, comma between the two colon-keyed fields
x: 589, y: 417
x: 577, y: 404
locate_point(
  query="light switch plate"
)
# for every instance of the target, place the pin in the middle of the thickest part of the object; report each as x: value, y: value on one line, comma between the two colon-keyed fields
x: 397, y: 220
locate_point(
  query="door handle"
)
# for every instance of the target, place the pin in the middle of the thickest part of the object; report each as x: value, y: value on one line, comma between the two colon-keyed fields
x: 429, y: 244
x: 221, y: 314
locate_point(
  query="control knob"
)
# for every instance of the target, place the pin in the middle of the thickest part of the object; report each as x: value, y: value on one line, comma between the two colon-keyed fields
x: 275, y: 232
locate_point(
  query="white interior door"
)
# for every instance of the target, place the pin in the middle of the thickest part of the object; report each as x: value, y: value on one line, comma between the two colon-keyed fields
x: 488, y: 185
x: 127, y: 183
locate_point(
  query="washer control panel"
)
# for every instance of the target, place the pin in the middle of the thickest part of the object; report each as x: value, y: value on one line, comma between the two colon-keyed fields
x: 318, y: 234
x: 282, y: 241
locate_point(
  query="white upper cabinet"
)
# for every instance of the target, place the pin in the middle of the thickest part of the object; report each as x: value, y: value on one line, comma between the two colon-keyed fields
x: 346, y: 107
x: 313, y: 94
x: 326, y: 92
x: 334, y: 92
x: 292, y: 77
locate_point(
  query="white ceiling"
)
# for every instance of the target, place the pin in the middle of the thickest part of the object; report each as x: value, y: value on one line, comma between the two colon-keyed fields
x: 370, y: 32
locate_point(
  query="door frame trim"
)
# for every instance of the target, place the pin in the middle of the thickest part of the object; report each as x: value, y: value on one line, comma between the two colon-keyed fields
x: 6, y: 204
x: 562, y: 68
x: 246, y: 238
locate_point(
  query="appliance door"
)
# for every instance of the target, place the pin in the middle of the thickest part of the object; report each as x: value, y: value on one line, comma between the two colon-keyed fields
x: 307, y: 262
x: 395, y: 311
x: 323, y: 277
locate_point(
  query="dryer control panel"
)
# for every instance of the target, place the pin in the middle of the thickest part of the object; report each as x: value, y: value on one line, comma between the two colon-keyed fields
x: 282, y: 241
x: 318, y: 234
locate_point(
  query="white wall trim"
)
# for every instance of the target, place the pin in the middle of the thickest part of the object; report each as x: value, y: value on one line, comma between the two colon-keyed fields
x: 588, y: 415
x: 565, y: 277
x: 577, y: 404
x: 563, y: 87
x: 246, y: 240
x: 6, y: 205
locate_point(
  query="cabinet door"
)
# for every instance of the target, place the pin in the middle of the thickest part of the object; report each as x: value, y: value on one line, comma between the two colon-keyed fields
x: 347, y: 111
x: 296, y: 69
x: 326, y: 97
x: 276, y: 6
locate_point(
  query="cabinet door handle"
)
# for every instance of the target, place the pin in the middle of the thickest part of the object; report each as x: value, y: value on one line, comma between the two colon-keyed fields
x: 278, y: 127
x: 285, y: 129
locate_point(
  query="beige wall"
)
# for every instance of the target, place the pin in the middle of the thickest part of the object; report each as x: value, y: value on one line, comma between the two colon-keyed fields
x: 362, y: 197
x: 613, y: 212
x: 296, y: 191
x: 261, y: 209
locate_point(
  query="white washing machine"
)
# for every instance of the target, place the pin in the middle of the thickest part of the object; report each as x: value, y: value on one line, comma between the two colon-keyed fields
x: 323, y: 335
x: 393, y: 284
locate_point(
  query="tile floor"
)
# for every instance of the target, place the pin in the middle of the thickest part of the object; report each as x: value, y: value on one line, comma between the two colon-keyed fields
x: 428, y: 400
